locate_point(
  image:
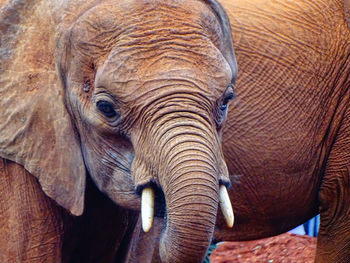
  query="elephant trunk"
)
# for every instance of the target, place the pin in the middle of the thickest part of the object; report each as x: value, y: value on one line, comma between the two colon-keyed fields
x: 191, y: 196
x: 182, y: 155
x: 189, y: 178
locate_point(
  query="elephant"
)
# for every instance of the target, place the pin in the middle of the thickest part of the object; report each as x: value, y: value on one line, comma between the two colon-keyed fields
x: 109, y: 108
x: 286, y: 141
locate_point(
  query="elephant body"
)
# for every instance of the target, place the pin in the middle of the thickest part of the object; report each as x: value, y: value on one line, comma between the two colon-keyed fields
x: 286, y: 139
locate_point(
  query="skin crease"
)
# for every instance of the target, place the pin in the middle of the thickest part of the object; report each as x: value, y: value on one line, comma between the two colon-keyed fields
x: 286, y: 141
x: 34, y: 228
x: 24, y: 243
x: 292, y: 130
x: 163, y: 73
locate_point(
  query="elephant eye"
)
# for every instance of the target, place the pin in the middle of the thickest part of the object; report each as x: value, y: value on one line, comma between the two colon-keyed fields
x: 228, y: 95
x: 106, y: 108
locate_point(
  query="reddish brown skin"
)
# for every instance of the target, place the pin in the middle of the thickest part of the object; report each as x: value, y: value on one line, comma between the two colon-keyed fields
x: 35, y: 229
x: 165, y: 71
x: 286, y: 144
x: 31, y: 224
x: 286, y: 141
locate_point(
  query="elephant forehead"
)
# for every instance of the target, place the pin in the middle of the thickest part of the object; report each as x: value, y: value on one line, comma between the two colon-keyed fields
x: 148, y: 40
x: 140, y: 23
x: 199, y: 61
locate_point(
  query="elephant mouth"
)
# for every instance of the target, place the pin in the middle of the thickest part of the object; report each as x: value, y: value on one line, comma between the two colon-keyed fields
x: 153, y: 204
x: 160, y: 204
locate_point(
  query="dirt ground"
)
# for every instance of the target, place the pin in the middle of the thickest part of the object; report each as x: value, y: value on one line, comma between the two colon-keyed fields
x: 285, y: 248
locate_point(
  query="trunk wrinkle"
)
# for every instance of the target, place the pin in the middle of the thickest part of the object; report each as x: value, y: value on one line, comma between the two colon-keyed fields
x: 203, y: 148
x: 181, y: 183
x: 184, y: 154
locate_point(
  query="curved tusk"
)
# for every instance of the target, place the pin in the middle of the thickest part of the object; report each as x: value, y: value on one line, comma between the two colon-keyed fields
x: 226, y: 206
x: 147, y: 208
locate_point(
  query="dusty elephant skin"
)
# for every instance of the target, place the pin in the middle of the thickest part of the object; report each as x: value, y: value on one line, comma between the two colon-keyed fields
x: 286, y: 141
x: 132, y: 94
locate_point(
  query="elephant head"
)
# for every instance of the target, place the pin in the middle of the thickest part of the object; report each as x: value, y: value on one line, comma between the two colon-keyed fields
x: 136, y: 93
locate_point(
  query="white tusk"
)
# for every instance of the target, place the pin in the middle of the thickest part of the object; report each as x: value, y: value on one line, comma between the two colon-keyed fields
x: 147, y: 208
x: 226, y: 206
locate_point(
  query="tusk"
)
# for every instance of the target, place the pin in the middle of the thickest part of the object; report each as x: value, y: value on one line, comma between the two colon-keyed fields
x: 226, y: 206
x: 147, y: 208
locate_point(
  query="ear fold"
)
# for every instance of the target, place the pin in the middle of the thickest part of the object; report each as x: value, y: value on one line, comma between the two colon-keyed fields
x: 35, y: 128
x: 347, y: 12
x: 227, y: 48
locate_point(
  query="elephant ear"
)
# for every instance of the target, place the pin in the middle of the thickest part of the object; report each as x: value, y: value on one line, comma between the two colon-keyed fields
x: 35, y: 128
x: 227, y: 45
x: 347, y: 12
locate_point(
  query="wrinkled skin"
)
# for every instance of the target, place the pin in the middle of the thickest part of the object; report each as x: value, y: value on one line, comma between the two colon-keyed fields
x: 131, y: 94
x: 286, y: 142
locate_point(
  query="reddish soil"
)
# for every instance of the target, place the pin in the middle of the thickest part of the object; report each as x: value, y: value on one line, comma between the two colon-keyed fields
x: 285, y: 248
